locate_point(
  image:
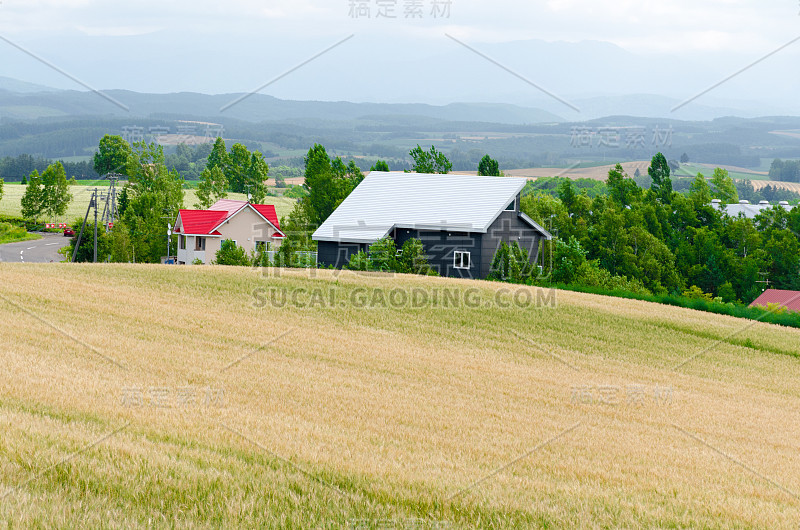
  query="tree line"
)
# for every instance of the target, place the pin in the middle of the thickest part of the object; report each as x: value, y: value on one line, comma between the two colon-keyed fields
x: 616, y: 234
x: 18, y: 168
x: 658, y: 241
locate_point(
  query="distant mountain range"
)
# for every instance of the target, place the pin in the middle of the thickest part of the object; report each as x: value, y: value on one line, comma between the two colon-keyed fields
x: 598, y: 78
x: 23, y: 101
x: 70, y: 123
x: 20, y: 100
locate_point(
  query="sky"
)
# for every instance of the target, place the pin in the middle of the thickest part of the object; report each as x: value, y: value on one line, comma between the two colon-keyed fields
x: 239, y: 45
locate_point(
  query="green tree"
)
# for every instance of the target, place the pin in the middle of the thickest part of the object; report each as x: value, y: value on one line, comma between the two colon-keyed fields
x: 112, y: 155
x: 328, y: 183
x: 32, y: 199
x: 380, y: 165
x: 432, y: 161
x: 660, y: 174
x: 256, y: 178
x: 218, y: 156
x: 726, y: 292
x: 1, y: 189
x: 238, y: 166
x: 297, y: 228
x: 153, y: 197
x: 230, y: 253
x: 383, y: 255
x: 567, y: 195
x: 700, y: 191
x: 568, y: 257
x: 413, y: 259
x: 723, y: 187
x: 784, y: 250
x: 488, y: 167
x: 622, y: 189
x: 684, y: 158
x: 55, y: 196
x: 212, y: 187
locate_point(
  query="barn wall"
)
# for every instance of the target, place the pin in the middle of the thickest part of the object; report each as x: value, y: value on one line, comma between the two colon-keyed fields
x: 508, y: 227
x: 440, y: 247
x: 337, y: 254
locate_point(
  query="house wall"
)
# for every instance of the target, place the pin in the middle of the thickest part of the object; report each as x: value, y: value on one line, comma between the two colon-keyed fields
x: 246, y: 228
x: 440, y: 248
x: 337, y: 254
x: 189, y: 254
x: 508, y: 227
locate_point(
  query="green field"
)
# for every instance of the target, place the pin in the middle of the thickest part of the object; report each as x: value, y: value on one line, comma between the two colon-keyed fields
x: 197, y: 399
x: 81, y: 195
x: 691, y: 170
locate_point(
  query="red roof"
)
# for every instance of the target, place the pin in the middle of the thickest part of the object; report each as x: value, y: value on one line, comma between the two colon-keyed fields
x: 201, y: 221
x: 268, y: 211
x: 204, y: 221
x: 788, y: 299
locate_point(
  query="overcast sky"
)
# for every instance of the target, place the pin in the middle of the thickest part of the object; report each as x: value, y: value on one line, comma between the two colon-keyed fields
x: 634, y: 24
x: 164, y: 45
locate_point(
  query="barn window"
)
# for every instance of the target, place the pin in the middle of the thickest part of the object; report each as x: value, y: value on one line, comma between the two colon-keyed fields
x: 513, y: 206
x: 462, y: 260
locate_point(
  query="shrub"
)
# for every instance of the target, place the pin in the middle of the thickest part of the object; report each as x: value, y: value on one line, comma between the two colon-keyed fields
x: 230, y: 253
x: 358, y: 262
x: 696, y: 293
x: 511, y: 264
x: 383, y: 256
x: 591, y: 274
x: 413, y: 260
x: 10, y: 233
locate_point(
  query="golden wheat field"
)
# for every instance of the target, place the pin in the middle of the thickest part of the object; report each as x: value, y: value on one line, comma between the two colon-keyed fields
x: 791, y: 186
x: 193, y: 397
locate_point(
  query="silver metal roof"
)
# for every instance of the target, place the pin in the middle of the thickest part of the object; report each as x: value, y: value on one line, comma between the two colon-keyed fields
x: 748, y: 210
x: 387, y: 200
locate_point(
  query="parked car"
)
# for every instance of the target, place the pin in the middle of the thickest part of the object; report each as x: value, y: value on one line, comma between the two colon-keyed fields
x: 69, y: 232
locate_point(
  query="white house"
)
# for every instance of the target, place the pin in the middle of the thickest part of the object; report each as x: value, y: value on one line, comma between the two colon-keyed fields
x: 201, y: 232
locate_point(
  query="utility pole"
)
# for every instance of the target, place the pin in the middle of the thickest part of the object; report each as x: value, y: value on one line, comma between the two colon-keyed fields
x: 95, y: 225
x: 80, y: 234
x: 765, y: 281
x: 169, y: 237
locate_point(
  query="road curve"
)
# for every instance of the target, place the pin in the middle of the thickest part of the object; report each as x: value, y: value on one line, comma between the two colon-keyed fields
x: 42, y: 250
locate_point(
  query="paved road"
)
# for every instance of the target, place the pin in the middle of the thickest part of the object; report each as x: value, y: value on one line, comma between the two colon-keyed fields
x: 42, y: 250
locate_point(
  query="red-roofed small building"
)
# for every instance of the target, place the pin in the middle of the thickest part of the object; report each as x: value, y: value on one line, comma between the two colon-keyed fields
x: 254, y: 227
x: 788, y: 299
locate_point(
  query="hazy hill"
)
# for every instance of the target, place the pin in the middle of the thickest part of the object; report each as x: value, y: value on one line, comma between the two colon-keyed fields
x: 257, y: 107
x: 15, y: 85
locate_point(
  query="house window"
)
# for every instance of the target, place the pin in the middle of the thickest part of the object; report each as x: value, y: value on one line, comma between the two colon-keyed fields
x: 200, y: 243
x: 182, y: 242
x: 462, y: 260
x: 262, y: 246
